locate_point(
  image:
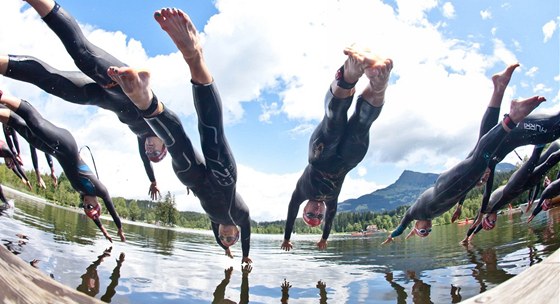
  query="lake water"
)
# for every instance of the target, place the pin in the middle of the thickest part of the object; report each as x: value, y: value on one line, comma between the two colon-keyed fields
x: 182, y: 266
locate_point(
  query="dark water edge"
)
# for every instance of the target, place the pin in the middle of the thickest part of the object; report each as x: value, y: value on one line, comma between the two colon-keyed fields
x: 158, y: 265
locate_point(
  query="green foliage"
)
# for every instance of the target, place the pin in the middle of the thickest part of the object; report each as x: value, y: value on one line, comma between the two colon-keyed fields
x: 164, y: 212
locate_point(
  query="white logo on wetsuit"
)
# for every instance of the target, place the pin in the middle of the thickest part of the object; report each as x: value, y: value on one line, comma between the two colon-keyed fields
x: 534, y: 127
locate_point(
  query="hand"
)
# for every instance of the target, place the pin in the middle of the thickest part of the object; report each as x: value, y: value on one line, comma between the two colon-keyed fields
x: 228, y: 272
x: 457, y: 214
x: 246, y: 260
x: 286, y: 245
x: 286, y: 285
x: 27, y: 183
x: 20, y: 162
x: 121, y: 235
x: 41, y: 182
x: 121, y: 258
x: 321, y: 284
x: 107, y: 236
x: 322, y: 244
x: 154, y: 191
x: 246, y: 270
x: 228, y: 253
x: 387, y: 241
x: 54, y: 178
x: 34, y: 263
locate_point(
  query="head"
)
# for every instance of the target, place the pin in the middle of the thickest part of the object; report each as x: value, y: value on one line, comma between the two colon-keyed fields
x: 489, y: 221
x: 484, y: 177
x: 228, y: 234
x: 422, y: 228
x: 91, y: 207
x: 313, y: 213
x: 155, y: 148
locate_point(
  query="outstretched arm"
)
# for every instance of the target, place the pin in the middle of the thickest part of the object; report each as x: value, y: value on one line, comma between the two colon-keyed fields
x: 293, y: 208
x: 153, y: 191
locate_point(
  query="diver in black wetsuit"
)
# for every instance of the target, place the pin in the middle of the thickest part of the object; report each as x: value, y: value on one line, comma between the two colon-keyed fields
x: 213, y: 176
x: 544, y: 203
x: 490, y: 118
x: 455, y: 182
x: 338, y: 144
x: 12, y: 163
x: 13, y: 142
x: 58, y: 142
x: 526, y: 177
x: 91, y: 86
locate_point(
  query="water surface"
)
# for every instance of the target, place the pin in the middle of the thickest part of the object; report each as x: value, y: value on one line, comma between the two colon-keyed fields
x: 159, y: 265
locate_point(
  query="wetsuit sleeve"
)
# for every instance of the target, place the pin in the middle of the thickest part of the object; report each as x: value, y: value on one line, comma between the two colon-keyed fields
x: 145, y: 160
x: 34, y: 159
x: 293, y: 208
x: 5, y: 151
x: 11, y: 140
x: 217, y: 236
x: 407, y: 219
x: 104, y: 195
x: 549, y: 192
x: 49, y: 160
x: 246, y: 237
x: 329, y: 218
x: 488, y: 187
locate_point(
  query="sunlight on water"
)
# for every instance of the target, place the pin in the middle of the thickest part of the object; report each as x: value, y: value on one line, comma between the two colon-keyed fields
x: 158, y: 265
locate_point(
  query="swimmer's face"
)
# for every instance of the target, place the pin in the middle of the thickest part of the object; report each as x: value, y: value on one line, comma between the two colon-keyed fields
x: 422, y: 228
x: 489, y: 221
x: 228, y: 234
x: 155, y: 148
x: 91, y: 207
x: 314, y: 212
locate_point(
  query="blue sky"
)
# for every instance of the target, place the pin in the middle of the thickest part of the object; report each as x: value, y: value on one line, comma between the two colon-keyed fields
x: 273, y: 62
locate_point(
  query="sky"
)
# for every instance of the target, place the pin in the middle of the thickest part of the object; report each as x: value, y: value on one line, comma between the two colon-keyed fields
x: 273, y: 62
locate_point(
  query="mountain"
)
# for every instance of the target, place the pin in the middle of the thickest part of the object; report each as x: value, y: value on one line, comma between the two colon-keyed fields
x: 402, y: 192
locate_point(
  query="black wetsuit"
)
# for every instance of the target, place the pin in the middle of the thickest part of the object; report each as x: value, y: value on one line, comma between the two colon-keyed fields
x: 524, y: 178
x: 13, y: 143
x: 87, y: 87
x: 213, y: 176
x: 58, y: 142
x: 535, y: 129
x: 6, y: 151
x: 454, y: 183
x: 337, y: 145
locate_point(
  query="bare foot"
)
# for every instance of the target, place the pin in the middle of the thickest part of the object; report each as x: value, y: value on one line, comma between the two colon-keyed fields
x: 501, y: 80
x: 353, y: 66
x: 377, y: 70
x: 519, y: 109
x: 182, y: 31
x: 134, y: 83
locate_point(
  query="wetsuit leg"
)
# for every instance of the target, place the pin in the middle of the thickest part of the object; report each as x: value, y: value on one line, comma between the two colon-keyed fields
x: 2, y: 197
x: 73, y: 86
x: 355, y: 141
x: 217, y: 153
x: 187, y: 164
x: 324, y: 141
x: 89, y: 58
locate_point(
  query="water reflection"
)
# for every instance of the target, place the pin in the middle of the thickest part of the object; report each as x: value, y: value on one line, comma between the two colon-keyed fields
x: 185, y: 266
x: 285, y: 287
x: 90, y: 284
x: 219, y: 293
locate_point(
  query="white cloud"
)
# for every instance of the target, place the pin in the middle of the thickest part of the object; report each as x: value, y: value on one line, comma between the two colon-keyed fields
x: 448, y: 10
x: 549, y: 29
x: 438, y: 92
x: 531, y: 72
x: 486, y: 14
